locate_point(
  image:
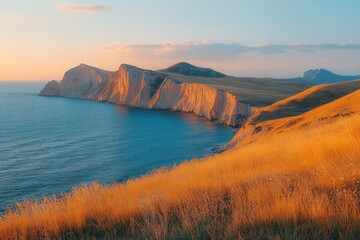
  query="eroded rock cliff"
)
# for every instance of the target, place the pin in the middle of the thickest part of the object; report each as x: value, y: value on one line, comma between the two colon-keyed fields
x: 131, y: 86
x: 204, y: 101
x: 78, y: 82
x: 150, y: 89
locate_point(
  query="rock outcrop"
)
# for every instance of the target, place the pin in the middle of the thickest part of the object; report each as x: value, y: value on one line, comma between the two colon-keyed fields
x: 77, y: 82
x: 150, y: 89
x: 131, y: 86
x: 52, y: 88
x: 202, y: 100
x: 307, y: 100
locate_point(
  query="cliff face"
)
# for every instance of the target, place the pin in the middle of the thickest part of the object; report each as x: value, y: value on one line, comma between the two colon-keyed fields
x: 77, y: 82
x: 202, y: 100
x: 131, y: 86
x: 144, y: 88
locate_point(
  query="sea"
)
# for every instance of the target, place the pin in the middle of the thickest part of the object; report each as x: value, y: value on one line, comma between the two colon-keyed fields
x: 50, y: 144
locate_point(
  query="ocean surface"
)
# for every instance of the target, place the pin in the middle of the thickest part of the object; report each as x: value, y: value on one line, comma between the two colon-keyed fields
x: 50, y: 144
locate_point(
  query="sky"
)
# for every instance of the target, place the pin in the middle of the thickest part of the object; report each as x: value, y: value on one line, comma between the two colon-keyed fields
x: 41, y: 39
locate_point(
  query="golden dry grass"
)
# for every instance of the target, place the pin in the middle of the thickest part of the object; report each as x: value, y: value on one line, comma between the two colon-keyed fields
x: 304, y: 101
x: 317, y: 117
x: 303, y: 184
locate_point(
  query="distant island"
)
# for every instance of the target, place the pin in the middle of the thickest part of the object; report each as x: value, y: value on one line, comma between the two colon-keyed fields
x: 320, y: 76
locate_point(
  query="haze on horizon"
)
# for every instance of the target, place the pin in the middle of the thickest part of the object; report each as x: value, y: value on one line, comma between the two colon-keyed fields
x: 41, y: 39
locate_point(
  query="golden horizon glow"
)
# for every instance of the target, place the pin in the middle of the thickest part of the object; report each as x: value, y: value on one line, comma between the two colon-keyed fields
x: 40, y: 40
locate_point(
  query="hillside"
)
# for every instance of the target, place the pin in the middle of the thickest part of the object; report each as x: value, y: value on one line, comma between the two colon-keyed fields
x: 345, y: 106
x: 297, y: 183
x: 305, y: 101
x: 257, y: 92
x: 191, y: 70
x: 227, y: 100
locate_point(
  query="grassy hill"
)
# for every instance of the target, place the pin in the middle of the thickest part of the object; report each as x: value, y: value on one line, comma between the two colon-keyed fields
x: 305, y: 101
x: 187, y: 69
x: 325, y: 114
x: 298, y: 182
x: 255, y: 91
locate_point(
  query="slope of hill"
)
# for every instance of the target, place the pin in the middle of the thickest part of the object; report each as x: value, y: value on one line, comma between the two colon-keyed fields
x: 327, y: 113
x: 185, y: 68
x: 321, y: 76
x: 305, y: 101
x: 300, y: 182
x: 257, y: 92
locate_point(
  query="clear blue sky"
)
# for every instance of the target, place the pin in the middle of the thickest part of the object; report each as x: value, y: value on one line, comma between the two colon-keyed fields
x: 258, y: 37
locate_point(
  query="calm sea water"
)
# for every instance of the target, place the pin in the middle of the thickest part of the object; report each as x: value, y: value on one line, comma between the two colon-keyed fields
x: 49, y: 144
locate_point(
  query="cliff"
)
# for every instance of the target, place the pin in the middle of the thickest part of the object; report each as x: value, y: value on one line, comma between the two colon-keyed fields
x: 77, y: 82
x: 204, y: 101
x: 150, y: 89
x: 52, y: 88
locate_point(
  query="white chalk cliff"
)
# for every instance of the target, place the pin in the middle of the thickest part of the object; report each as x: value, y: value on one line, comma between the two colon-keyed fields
x: 150, y: 89
x: 77, y: 82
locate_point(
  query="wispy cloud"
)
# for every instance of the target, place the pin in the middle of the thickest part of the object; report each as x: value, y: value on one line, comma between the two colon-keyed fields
x: 81, y: 8
x: 278, y: 48
x: 218, y: 51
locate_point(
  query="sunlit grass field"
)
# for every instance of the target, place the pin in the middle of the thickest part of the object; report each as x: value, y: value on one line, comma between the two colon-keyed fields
x: 304, y: 184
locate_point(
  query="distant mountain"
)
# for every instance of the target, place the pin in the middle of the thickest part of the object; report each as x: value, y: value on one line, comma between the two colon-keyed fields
x: 185, y: 68
x: 320, y: 76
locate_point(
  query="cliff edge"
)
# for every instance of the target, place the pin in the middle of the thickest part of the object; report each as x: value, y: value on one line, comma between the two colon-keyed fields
x: 138, y: 87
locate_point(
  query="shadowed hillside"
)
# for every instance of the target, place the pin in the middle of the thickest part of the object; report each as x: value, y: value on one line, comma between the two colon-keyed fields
x: 300, y: 182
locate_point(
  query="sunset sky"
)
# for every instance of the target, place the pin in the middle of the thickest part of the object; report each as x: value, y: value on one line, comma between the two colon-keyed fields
x: 40, y: 39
